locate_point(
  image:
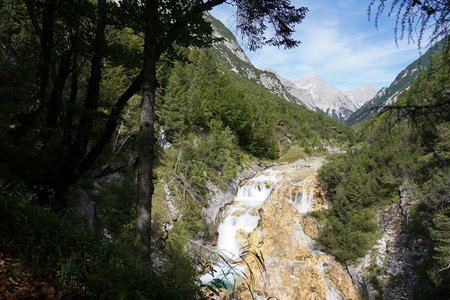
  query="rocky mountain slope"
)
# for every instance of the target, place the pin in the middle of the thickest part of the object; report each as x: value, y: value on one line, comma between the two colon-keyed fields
x: 361, y: 95
x: 231, y: 57
x: 311, y: 91
x: 318, y: 95
x: 330, y: 100
x: 388, y: 95
x: 395, y: 255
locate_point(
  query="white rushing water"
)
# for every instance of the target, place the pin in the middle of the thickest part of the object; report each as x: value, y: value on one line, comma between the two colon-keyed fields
x: 332, y: 293
x: 305, y: 204
x: 241, y: 216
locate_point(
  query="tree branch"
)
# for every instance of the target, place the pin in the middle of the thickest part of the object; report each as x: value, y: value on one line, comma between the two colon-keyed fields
x: 110, y: 127
x: 208, y: 5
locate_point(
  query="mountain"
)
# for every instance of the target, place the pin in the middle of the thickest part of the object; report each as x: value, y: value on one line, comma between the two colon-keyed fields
x: 230, y: 56
x: 318, y: 95
x: 388, y: 95
x: 301, y: 96
x: 362, y: 95
x: 330, y: 100
x: 311, y: 92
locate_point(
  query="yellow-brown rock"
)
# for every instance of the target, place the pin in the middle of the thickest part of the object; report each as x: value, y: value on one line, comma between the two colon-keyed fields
x: 295, y: 269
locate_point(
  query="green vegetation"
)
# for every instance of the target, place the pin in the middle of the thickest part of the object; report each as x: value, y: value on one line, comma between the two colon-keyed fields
x: 214, y: 119
x: 69, y: 127
x: 82, y: 263
x: 400, y: 83
x: 217, y: 120
x: 409, y: 143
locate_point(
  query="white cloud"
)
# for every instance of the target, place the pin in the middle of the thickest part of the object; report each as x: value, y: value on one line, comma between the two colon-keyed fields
x: 340, y: 45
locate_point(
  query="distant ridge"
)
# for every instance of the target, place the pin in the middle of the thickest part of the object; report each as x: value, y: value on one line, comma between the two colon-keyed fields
x: 388, y: 95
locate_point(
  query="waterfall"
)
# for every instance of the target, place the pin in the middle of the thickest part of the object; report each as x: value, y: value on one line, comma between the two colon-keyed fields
x: 304, y: 200
x: 240, y: 216
x: 269, y: 215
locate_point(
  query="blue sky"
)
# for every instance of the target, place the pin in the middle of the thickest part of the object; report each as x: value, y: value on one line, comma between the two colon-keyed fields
x: 339, y: 45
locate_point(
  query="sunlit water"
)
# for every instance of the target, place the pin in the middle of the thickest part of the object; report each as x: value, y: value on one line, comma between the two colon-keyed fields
x: 241, y: 217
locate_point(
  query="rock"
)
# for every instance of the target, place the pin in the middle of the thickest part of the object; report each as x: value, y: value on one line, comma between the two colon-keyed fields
x: 173, y: 211
x: 309, y: 225
x: 85, y: 207
x: 388, y: 271
x: 407, y: 199
x: 219, y: 198
x: 295, y: 269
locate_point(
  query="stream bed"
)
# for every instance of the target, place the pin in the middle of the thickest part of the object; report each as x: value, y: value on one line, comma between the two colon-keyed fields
x: 269, y: 216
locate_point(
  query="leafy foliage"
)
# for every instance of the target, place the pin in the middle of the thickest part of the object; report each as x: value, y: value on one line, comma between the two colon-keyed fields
x: 80, y: 262
x: 215, y: 119
x: 197, y: 93
x: 252, y: 18
x: 74, y: 68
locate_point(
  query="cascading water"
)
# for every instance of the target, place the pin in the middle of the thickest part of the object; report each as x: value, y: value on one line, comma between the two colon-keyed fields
x: 304, y: 199
x: 269, y: 215
x: 241, y: 216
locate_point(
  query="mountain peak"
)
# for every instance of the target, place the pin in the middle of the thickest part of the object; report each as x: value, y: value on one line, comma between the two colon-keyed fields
x: 310, y: 91
x: 331, y: 100
x: 361, y: 95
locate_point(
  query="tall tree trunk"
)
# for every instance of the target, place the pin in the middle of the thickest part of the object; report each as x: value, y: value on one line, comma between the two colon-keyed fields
x: 56, y: 96
x: 66, y: 141
x: 93, y: 89
x: 23, y: 121
x: 146, y: 131
x: 46, y: 41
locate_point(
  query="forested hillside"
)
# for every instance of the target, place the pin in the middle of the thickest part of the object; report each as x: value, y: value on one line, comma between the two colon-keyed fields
x: 388, y: 95
x: 403, y: 150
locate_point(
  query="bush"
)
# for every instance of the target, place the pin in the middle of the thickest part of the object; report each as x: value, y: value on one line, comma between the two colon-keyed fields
x: 80, y: 263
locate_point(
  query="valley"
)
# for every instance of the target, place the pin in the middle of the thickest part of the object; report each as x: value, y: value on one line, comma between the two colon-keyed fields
x: 144, y: 156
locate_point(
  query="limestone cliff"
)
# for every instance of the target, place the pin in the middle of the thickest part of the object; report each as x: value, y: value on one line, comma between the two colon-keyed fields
x: 295, y: 269
x: 388, y: 271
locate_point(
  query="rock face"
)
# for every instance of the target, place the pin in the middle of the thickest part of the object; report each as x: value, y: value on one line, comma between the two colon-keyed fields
x: 318, y: 95
x: 388, y: 270
x: 268, y: 216
x: 330, y: 100
x: 231, y: 57
x: 295, y: 268
x: 218, y: 198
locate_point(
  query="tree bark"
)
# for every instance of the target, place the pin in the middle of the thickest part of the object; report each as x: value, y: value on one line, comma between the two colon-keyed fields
x: 46, y: 41
x: 93, y: 89
x: 146, y: 131
x: 56, y: 97
x: 66, y: 142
